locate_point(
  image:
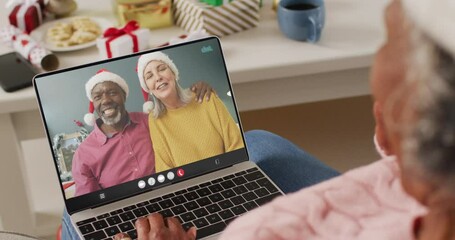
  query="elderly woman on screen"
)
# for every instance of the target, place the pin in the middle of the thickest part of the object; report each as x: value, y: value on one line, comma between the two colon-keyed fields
x: 182, y: 127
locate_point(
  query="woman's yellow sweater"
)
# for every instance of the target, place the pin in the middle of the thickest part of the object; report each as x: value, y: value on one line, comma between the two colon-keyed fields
x: 193, y: 132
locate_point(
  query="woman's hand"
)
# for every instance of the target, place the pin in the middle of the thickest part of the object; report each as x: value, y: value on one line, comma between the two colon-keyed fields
x: 156, y: 228
x: 202, y: 89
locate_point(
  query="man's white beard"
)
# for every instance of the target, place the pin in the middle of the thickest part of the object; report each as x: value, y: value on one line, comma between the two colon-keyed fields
x: 112, y: 121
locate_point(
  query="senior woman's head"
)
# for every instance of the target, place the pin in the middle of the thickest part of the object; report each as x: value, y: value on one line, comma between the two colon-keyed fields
x: 413, y: 83
x: 159, y: 77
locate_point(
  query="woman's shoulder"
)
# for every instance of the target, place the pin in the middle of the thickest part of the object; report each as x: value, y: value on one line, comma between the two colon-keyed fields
x: 213, y: 100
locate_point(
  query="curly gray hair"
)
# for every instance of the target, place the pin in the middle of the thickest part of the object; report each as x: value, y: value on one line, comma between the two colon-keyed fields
x: 429, y: 144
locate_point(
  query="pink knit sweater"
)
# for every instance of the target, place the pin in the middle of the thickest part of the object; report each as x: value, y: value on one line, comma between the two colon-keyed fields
x: 365, y: 203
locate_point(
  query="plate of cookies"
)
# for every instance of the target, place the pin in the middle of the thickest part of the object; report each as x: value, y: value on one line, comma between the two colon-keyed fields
x: 70, y: 34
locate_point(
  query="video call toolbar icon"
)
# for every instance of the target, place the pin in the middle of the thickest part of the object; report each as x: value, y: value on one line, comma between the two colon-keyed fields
x: 151, y: 181
x: 170, y: 175
x: 180, y: 172
x: 161, y: 178
x: 141, y: 184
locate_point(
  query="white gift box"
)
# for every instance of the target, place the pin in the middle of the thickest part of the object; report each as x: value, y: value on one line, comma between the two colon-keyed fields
x: 124, y: 44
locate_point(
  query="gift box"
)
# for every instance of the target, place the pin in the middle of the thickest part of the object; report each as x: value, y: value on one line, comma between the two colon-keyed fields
x: 148, y: 13
x: 123, y: 41
x: 216, y: 2
x: 236, y: 16
x: 25, y: 14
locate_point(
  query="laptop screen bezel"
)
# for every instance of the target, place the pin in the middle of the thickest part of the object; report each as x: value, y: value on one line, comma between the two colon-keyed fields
x: 129, y: 189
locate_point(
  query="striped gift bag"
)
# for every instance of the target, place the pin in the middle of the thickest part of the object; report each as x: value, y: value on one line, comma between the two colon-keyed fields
x: 232, y: 17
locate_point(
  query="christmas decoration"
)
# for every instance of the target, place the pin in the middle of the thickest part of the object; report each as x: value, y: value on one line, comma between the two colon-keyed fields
x: 121, y: 41
x: 64, y: 146
x: 22, y: 43
x: 25, y: 14
x: 148, y: 13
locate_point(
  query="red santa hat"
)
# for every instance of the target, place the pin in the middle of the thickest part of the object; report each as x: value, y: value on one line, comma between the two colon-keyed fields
x: 142, y: 63
x: 101, y: 76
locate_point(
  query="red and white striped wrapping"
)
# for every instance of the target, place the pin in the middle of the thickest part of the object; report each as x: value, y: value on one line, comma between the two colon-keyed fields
x: 22, y: 43
x: 25, y: 14
x: 236, y: 16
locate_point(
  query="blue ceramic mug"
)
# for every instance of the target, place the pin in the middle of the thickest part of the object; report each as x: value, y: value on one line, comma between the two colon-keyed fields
x: 301, y: 20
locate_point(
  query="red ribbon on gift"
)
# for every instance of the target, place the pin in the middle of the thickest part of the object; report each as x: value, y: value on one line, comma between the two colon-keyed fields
x: 113, y: 33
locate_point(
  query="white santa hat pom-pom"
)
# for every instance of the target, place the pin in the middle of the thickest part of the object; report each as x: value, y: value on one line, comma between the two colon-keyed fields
x: 148, y: 106
x: 89, y: 119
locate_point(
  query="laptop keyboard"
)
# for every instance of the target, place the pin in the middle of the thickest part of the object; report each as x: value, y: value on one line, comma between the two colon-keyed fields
x: 209, y: 206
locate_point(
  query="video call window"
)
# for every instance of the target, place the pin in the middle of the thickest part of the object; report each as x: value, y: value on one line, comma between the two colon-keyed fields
x: 146, y: 117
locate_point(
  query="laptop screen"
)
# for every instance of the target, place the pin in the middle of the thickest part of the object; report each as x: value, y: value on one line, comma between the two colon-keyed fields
x: 128, y: 125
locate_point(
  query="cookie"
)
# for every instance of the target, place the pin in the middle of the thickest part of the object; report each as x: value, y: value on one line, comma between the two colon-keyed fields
x: 78, y: 31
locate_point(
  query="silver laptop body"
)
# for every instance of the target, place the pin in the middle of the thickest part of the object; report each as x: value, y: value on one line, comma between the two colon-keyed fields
x: 212, y: 192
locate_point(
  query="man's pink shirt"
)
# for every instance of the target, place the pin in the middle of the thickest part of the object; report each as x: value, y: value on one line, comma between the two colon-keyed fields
x: 365, y: 203
x: 101, y: 162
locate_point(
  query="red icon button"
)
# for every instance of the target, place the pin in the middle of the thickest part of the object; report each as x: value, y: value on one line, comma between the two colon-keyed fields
x: 180, y: 172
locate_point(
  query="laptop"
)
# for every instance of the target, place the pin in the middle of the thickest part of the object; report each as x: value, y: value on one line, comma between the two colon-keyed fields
x: 208, y: 191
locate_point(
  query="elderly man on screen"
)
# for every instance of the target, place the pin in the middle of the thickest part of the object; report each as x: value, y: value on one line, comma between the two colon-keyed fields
x: 119, y: 148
